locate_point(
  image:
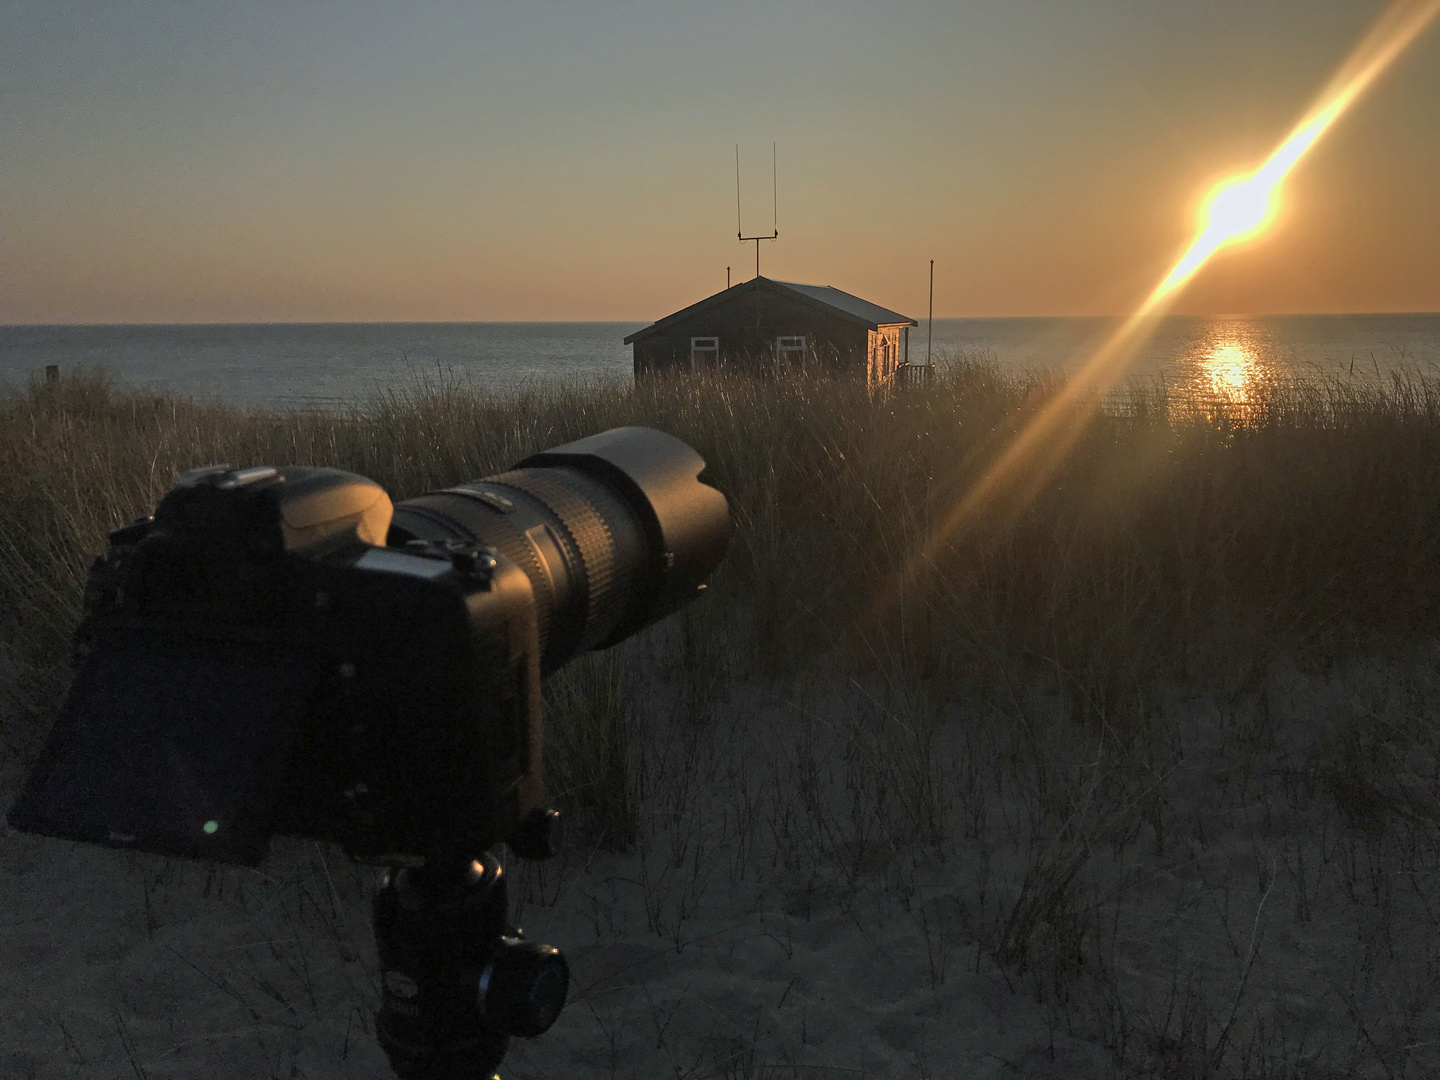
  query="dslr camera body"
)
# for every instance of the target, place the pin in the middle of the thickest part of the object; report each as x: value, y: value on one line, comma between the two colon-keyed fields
x: 282, y: 650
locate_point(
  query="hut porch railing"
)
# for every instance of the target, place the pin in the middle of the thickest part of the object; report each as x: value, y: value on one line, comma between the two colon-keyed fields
x: 914, y: 376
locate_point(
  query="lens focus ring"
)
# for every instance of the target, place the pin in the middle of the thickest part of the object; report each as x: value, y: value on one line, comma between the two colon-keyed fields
x: 588, y: 533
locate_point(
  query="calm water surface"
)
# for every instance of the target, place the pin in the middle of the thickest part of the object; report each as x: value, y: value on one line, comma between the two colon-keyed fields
x: 318, y: 365
x: 1213, y: 356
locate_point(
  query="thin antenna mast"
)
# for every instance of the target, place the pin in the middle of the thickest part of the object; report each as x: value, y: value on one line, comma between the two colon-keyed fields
x: 930, y: 324
x: 774, y: 210
x: 739, y: 230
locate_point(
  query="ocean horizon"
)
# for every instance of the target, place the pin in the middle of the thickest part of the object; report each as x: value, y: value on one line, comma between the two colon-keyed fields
x: 320, y: 365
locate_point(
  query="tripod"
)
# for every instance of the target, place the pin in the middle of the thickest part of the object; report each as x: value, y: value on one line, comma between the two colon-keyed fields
x: 456, y: 980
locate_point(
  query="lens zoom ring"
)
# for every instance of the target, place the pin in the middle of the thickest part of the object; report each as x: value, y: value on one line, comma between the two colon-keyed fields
x: 588, y: 532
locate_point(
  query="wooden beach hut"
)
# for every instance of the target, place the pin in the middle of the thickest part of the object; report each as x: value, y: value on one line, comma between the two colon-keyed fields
x: 781, y: 327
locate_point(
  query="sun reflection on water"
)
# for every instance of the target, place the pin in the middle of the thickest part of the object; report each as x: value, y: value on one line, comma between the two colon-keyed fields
x: 1228, y: 361
x: 1229, y: 366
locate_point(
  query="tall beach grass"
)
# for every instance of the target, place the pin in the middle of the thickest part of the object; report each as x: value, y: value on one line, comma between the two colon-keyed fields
x: 1178, y: 539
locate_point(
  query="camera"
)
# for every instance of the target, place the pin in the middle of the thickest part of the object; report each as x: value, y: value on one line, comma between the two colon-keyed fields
x: 285, y: 651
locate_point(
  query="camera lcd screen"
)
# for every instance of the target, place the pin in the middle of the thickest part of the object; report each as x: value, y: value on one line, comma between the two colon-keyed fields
x: 171, y: 747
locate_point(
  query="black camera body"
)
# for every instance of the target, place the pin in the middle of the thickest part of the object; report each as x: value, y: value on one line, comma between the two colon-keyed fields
x: 282, y: 650
x: 384, y: 699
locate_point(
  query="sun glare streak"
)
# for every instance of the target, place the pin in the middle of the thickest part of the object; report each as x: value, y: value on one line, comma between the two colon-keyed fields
x: 1239, y: 209
x: 1235, y: 210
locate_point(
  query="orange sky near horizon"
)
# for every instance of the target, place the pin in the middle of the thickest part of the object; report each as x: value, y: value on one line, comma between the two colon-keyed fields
x: 508, y: 161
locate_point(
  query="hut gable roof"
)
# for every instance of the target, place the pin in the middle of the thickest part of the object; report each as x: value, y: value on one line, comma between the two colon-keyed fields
x: 862, y: 312
x: 872, y: 315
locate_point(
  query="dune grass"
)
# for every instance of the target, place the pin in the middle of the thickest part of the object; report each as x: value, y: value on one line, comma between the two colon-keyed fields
x: 1179, y: 540
x: 1194, y: 676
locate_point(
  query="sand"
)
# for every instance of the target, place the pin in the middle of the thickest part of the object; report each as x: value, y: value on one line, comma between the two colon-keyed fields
x: 781, y: 915
x: 120, y: 965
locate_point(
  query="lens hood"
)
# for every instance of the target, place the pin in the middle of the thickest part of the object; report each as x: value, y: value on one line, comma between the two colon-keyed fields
x: 686, y: 519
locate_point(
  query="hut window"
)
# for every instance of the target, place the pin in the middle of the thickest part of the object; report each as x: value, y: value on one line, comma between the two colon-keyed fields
x: 704, y: 351
x: 790, y: 348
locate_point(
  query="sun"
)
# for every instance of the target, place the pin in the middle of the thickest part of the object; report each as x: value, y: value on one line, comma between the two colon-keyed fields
x: 1239, y: 209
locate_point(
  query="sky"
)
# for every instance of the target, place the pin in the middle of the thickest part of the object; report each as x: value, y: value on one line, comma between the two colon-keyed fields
x: 555, y: 160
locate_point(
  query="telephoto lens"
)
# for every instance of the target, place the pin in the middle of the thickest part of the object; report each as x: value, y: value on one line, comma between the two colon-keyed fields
x: 614, y: 531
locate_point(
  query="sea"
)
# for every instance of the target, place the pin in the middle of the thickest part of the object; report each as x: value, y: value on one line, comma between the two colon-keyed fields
x: 283, y: 366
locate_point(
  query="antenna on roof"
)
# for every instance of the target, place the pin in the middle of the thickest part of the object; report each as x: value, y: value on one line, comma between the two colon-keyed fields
x: 774, y: 210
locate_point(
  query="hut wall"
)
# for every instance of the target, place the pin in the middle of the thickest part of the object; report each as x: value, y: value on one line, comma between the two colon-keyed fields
x: 748, y: 326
